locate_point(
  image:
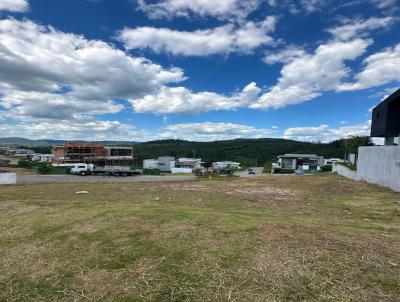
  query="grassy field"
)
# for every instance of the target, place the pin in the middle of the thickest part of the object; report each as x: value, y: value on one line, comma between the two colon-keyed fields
x: 286, y: 238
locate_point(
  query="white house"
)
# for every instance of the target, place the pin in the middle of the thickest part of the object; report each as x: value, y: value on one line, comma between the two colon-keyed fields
x: 226, y: 164
x: 42, y: 157
x: 163, y: 163
x: 189, y: 163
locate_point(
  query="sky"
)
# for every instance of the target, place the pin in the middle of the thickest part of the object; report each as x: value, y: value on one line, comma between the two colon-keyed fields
x: 203, y: 70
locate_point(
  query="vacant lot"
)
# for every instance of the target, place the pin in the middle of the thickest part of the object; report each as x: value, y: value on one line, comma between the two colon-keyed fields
x: 288, y: 238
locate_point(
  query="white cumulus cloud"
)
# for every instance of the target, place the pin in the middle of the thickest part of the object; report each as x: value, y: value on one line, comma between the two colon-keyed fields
x: 325, y: 133
x: 36, y: 61
x: 226, y: 9
x: 180, y: 100
x: 214, y: 131
x: 379, y: 69
x: 309, y: 75
x: 285, y: 55
x: 353, y: 28
x: 14, y: 5
x: 220, y: 40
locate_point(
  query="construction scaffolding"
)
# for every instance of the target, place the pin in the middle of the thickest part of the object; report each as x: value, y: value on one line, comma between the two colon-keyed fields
x: 92, y: 153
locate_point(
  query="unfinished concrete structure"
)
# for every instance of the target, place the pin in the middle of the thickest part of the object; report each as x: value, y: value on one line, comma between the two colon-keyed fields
x: 92, y: 153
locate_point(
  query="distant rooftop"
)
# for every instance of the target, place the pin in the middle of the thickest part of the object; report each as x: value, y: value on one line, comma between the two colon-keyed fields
x: 299, y: 155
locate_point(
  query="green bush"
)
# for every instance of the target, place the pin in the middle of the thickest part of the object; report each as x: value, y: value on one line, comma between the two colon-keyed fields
x: 151, y: 172
x: 267, y: 168
x: 326, y: 168
x: 348, y: 165
x: 23, y: 163
x: 4, y: 163
x: 284, y: 171
x: 43, y: 168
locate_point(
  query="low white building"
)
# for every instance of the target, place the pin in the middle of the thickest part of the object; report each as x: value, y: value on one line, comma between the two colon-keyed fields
x: 42, y: 157
x: 189, y: 163
x: 226, y: 165
x: 150, y: 164
x: 163, y: 163
x: 170, y: 164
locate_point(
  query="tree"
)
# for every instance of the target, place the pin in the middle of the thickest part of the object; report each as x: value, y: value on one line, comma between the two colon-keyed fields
x: 23, y: 163
x: 267, y: 167
x: 352, y: 144
x: 44, y: 168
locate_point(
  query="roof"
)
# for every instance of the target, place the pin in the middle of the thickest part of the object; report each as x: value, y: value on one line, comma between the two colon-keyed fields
x: 300, y: 155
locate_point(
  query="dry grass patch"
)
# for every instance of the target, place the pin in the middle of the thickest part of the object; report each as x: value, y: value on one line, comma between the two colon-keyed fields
x: 289, y: 238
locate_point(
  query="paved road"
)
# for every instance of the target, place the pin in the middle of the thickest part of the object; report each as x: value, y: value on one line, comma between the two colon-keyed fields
x: 31, y: 179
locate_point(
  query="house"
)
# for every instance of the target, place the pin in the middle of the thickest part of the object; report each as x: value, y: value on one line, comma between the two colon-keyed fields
x: 386, y: 119
x: 92, y: 153
x: 163, y: 163
x: 381, y: 164
x: 22, y: 153
x: 170, y: 164
x: 189, y: 163
x: 42, y: 157
x: 302, y: 162
x: 219, y: 165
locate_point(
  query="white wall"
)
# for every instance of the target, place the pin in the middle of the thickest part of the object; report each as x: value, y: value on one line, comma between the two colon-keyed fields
x: 181, y: 170
x: 8, y: 178
x: 346, y: 172
x: 380, y: 165
x: 150, y: 164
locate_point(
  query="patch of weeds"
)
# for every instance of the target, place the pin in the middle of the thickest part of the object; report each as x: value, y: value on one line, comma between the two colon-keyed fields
x: 46, y: 231
x: 46, y: 288
x: 302, y: 289
x: 390, y: 285
x: 113, y: 256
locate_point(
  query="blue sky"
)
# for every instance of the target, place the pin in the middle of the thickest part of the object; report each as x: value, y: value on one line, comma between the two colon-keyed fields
x: 196, y: 69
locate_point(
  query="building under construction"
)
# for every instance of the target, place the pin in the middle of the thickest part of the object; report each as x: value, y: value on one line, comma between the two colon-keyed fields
x: 92, y: 153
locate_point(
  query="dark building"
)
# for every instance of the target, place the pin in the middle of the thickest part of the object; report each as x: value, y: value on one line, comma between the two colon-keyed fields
x: 386, y: 118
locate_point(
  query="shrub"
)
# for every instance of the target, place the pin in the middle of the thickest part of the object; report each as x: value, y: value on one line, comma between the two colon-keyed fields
x: 267, y: 168
x: 284, y: 171
x: 4, y: 163
x: 348, y: 165
x: 326, y: 168
x: 23, y: 163
x: 43, y: 168
x: 152, y: 172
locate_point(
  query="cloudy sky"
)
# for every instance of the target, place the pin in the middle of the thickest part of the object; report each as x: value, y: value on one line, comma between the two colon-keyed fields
x: 203, y: 70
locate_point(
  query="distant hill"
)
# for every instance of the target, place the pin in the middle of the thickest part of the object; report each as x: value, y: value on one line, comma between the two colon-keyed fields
x: 246, y: 151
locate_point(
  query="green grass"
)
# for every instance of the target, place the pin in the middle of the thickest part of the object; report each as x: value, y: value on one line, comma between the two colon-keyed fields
x: 286, y: 238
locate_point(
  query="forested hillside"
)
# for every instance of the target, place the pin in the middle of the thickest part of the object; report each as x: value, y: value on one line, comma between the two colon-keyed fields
x: 246, y: 151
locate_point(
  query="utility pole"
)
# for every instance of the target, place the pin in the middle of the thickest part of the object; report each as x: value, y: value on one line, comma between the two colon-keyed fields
x: 194, y: 154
